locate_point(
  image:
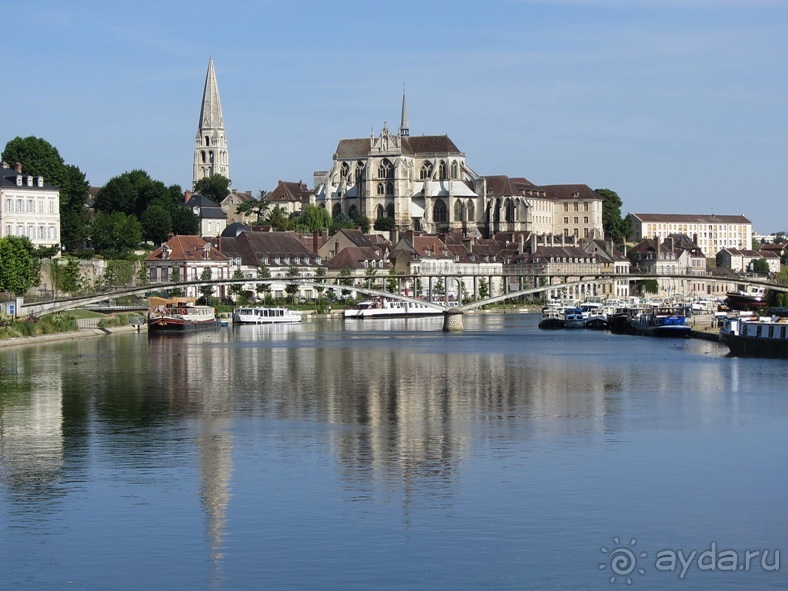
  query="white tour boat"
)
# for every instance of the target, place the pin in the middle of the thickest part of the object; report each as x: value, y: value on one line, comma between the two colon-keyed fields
x: 256, y: 315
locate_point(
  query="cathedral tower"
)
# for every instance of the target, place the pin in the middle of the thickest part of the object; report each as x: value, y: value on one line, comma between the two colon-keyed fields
x: 210, y: 147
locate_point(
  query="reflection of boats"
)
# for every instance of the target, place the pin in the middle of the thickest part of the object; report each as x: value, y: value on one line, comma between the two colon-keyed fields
x: 746, y: 297
x: 756, y: 337
x: 597, y: 320
x: 659, y: 322
x: 551, y: 318
x: 255, y: 315
x: 573, y: 318
x: 180, y: 315
x: 382, y: 308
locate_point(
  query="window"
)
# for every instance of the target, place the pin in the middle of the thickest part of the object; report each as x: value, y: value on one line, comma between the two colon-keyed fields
x: 442, y: 170
x: 575, y: 206
x: 359, y: 171
x: 40, y: 206
x: 344, y: 170
x: 458, y: 212
x: 566, y: 206
x: 575, y: 220
x: 381, y: 189
x: 439, y: 212
x: 42, y: 233
x: 566, y: 220
x: 426, y: 171
x: 386, y: 169
x: 585, y: 205
x: 585, y: 219
x: 389, y: 188
x: 470, y: 211
x: 454, y: 170
x: 9, y: 206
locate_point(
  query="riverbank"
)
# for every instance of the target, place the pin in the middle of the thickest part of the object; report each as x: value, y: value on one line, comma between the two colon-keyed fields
x: 67, y: 336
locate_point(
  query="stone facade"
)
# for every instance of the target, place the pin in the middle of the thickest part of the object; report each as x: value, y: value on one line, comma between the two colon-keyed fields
x: 29, y: 207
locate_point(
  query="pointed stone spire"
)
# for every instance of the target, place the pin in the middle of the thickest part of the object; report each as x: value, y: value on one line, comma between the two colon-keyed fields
x: 403, y: 126
x: 211, y: 111
x: 210, y: 150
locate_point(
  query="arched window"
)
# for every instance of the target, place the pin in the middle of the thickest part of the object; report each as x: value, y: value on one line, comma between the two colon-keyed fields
x: 439, y: 213
x: 336, y: 210
x: 381, y: 189
x: 203, y: 156
x: 353, y: 211
x: 426, y: 171
x: 455, y: 172
x: 471, y: 211
x: 390, y: 210
x: 442, y: 170
x: 359, y: 171
x: 509, y: 211
x: 343, y: 172
x: 386, y: 169
x: 379, y: 211
x: 389, y: 188
x: 457, y: 211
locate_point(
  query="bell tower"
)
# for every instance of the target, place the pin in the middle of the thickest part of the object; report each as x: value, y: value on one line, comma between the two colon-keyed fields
x: 210, y: 146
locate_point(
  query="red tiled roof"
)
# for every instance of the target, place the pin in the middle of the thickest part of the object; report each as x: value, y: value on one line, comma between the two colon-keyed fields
x: 187, y: 248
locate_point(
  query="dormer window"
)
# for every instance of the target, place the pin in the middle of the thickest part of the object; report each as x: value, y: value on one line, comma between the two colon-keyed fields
x: 29, y: 181
x: 40, y: 181
x: 18, y: 181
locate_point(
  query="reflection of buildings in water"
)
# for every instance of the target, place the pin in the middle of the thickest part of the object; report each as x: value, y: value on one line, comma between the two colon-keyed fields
x: 31, y: 426
x: 197, y: 372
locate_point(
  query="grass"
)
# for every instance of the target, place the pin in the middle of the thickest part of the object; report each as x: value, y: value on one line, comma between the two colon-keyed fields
x: 49, y: 324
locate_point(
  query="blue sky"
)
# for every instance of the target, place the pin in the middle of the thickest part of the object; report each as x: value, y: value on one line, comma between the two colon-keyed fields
x: 681, y: 106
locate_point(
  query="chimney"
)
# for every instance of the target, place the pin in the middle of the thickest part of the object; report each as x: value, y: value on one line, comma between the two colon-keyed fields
x: 533, y: 243
x: 315, y: 242
x: 18, y: 168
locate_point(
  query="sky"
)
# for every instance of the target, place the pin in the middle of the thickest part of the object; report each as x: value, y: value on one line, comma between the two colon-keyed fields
x: 680, y: 106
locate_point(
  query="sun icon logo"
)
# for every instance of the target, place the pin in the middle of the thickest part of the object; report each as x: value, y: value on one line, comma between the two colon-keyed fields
x: 622, y: 561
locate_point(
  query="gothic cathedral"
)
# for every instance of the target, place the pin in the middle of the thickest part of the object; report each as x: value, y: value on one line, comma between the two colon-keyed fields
x: 210, y: 146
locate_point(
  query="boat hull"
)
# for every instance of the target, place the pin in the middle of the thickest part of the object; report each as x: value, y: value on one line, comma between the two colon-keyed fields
x: 741, y: 346
x: 177, y: 326
x: 552, y: 324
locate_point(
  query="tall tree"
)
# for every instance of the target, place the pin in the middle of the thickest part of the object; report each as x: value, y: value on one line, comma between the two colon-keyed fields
x: 612, y: 223
x: 314, y: 219
x: 215, y: 187
x: 20, y: 269
x: 38, y: 157
x: 115, y: 233
x: 257, y: 207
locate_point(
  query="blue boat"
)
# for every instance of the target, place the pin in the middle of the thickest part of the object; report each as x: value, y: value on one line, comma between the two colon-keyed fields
x: 659, y: 322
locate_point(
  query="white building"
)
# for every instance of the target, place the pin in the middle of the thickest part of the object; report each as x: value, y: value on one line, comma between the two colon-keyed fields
x: 29, y: 207
x: 711, y: 233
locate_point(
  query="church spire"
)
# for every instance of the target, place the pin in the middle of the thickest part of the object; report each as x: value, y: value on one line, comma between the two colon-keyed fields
x: 210, y: 151
x: 403, y: 126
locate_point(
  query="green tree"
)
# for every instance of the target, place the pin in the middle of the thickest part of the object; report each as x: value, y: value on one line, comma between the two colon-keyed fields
x: 236, y: 289
x: 760, y: 266
x: 438, y: 287
x: 115, y: 233
x: 185, y: 222
x: 392, y: 283
x: 320, y: 275
x: 612, y: 224
x: 206, y: 290
x: 38, y: 158
x: 256, y: 207
x: 778, y: 298
x: 362, y: 223
x: 314, y: 219
x: 19, y: 268
x: 384, y: 224
x: 156, y: 223
x: 127, y: 193
x: 484, y: 288
x: 279, y: 220
x: 263, y: 272
x: 345, y: 278
x: 68, y: 277
x: 293, y: 272
x: 341, y: 221
x: 215, y: 187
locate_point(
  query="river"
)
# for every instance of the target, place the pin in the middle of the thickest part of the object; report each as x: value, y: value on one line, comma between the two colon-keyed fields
x: 387, y: 454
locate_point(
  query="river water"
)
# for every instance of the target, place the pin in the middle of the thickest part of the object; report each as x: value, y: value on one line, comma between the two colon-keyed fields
x: 391, y: 455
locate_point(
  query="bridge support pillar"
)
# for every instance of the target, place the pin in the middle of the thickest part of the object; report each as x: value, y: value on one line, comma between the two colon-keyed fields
x: 452, y: 321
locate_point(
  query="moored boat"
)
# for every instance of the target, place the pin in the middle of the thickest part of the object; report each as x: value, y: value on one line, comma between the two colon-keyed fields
x: 551, y: 319
x: 746, y: 297
x: 659, y: 322
x: 573, y: 318
x: 765, y: 336
x: 259, y: 315
x: 597, y: 320
x: 383, y: 308
x: 180, y: 315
